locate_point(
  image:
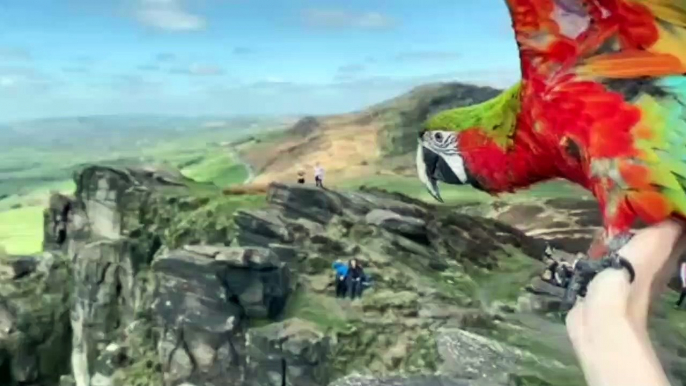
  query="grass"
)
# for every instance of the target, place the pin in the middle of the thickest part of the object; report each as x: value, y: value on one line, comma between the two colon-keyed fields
x: 219, y: 167
x: 38, y: 196
x: 505, y: 283
x: 322, y: 310
x: 21, y: 230
x: 211, y: 223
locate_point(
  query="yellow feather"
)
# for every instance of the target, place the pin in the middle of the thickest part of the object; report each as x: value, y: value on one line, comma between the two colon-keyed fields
x: 671, y: 11
x: 672, y: 42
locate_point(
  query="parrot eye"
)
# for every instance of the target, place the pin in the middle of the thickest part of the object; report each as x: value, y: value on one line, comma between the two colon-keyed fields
x: 438, y: 137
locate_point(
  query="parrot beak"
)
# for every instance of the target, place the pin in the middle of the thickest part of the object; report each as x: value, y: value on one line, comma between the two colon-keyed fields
x: 426, y: 165
x: 432, y: 167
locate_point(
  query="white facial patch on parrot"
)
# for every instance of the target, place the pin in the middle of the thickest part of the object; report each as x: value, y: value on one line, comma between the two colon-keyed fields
x: 444, y: 144
x: 456, y: 163
x: 421, y: 166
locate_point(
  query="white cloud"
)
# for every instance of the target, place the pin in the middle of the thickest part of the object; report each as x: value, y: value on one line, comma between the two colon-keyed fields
x: 7, y: 81
x: 15, y: 53
x: 205, y: 70
x: 148, y: 67
x: 168, y: 15
x: 135, y: 85
x: 76, y: 70
x: 349, y: 71
x: 243, y: 50
x: 352, y: 68
x: 165, y: 57
x: 336, y: 18
x: 23, y: 79
x: 199, y: 69
x: 427, y: 55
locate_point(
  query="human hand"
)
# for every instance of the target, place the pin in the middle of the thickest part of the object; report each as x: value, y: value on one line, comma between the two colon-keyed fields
x: 606, y: 343
x: 608, y: 327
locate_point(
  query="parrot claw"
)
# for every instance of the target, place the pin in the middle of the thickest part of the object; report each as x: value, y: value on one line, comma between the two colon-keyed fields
x: 585, y: 269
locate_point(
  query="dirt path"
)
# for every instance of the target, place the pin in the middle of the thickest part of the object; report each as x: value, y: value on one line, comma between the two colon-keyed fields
x: 247, y: 166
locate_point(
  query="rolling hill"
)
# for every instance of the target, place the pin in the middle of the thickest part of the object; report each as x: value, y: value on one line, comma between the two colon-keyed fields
x: 374, y: 141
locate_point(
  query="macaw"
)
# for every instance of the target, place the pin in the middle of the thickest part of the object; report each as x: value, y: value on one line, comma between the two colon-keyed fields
x: 601, y: 103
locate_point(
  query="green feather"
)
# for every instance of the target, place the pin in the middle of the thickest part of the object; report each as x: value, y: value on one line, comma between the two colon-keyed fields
x: 497, y: 117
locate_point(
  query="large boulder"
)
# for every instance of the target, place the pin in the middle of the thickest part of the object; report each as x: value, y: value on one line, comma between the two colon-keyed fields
x: 204, y: 295
x: 291, y: 353
x: 322, y: 205
x: 55, y: 222
x: 34, y: 319
x: 569, y: 224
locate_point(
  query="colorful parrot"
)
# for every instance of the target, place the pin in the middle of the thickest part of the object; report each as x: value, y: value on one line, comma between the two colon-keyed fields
x: 601, y: 103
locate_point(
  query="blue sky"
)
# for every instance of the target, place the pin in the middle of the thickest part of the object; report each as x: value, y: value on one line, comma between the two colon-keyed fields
x: 197, y: 57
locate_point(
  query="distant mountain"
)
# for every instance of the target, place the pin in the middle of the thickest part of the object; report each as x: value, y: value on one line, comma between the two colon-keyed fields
x: 111, y: 131
x: 378, y: 139
x: 401, y: 117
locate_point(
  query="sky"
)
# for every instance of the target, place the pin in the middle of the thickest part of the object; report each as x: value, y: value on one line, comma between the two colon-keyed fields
x: 62, y: 58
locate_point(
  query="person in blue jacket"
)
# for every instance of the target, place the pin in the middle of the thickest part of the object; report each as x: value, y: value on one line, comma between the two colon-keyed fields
x: 341, y: 275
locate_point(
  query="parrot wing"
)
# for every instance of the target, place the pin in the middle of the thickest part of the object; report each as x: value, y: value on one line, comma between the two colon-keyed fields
x: 606, y: 79
x: 602, y: 38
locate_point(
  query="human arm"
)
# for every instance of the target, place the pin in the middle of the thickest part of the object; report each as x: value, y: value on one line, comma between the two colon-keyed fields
x: 606, y: 344
x: 608, y: 327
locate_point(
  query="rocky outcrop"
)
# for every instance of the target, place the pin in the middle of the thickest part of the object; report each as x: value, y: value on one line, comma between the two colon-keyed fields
x: 565, y: 223
x: 204, y: 297
x: 138, y: 298
x: 292, y: 353
x: 171, y: 286
x: 55, y: 222
x: 305, y: 127
x: 34, y: 319
x: 175, y: 284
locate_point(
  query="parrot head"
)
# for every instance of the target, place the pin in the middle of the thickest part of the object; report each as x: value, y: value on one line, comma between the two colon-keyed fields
x: 449, y: 139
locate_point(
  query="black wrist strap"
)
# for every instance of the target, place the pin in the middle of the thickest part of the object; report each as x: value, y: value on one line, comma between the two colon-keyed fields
x: 585, y: 270
x: 618, y: 262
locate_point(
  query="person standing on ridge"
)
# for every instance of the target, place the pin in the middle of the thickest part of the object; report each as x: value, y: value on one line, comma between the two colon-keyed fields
x: 319, y: 175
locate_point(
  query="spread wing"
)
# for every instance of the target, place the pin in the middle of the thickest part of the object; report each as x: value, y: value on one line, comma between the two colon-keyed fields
x: 608, y: 77
x: 614, y: 39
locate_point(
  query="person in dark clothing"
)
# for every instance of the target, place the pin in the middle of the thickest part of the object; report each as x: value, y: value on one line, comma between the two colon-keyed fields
x: 564, y: 273
x: 301, y: 177
x: 682, y: 276
x: 550, y: 271
x: 341, y: 278
x: 355, y: 275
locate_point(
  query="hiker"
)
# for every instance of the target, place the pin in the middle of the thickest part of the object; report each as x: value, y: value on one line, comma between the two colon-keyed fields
x: 341, y: 270
x: 564, y: 273
x: 354, y: 278
x: 550, y: 270
x: 301, y: 177
x: 682, y: 276
x: 319, y: 175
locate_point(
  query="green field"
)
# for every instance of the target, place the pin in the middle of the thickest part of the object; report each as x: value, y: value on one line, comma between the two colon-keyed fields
x: 29, y: 173
x: 219, y: 167
x: 21, y: 230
